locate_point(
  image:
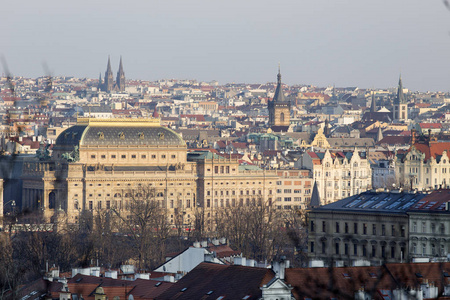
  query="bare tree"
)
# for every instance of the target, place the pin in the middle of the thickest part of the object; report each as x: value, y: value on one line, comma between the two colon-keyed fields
x: 145, y: 221
x: 253, y: 228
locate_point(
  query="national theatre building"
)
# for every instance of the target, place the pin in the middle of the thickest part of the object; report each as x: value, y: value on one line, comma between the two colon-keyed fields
x: 101, y: 164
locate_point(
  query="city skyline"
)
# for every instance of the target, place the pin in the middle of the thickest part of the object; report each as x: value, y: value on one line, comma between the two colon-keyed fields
x: 319, y: 43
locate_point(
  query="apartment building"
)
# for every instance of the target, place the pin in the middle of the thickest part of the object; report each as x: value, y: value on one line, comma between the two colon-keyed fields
x: 338, y: 174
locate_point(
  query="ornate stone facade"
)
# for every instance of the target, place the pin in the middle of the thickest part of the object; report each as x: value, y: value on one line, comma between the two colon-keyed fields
x: 99, y: 163
x: 338, y: 174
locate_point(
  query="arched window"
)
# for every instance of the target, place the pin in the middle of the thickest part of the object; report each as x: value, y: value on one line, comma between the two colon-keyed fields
x: 51, y: 200
x: 117, y: 195
x: 282, y: 117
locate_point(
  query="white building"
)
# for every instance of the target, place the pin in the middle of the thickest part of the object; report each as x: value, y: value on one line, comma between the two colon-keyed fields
x: 338, y: 174
x: 425, y: 165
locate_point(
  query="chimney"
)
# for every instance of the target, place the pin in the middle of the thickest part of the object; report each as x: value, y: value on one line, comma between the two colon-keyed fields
x: 279, y: 267
x: 204, y: 244
x: 239, y: 261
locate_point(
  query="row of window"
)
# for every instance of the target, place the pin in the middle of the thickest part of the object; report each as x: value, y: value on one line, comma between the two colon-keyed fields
x: 126, y: 204
x: 137, y: 195
x: 424, y: 228
x: 234, y: 202
x: 133, y: 156
x: 289, y: 191
x: 360, y: 250
x: 129, y: 184
x: 364, y: 229
x: 233, y: 192
x: 414, y: 249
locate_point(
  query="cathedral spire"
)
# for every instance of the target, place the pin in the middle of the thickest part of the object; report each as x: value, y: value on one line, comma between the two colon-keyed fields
x: 373, y: 107
x: 108, y: 67
x: 100, y: 82
x: 120, y: 65
x: 108, y: 86
x: 120, y: 80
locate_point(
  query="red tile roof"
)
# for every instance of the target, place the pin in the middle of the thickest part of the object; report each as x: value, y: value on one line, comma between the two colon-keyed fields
x: 432, y: 149
x: 342, y: 283
x: 430, y: 125
x: 435, y: 201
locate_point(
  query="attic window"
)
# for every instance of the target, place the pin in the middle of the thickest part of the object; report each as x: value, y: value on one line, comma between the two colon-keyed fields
x: 373, y: 275
x: 446, y: 274
x: 346, y: 275
x: 246, y: 297
x: 158, y: 284
x: 419, y: 275
x: 79, y: 279
x: 183, y: 289
x: 209, y: 293
x: 220, y: 298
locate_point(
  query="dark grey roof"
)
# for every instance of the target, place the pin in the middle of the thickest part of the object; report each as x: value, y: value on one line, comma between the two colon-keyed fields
x: 375, y: 202
x: 315, y: 198
x: 400, y: 96
x: 279, y: 94
x: 71, y: 136
x: 351, y: 142
x: 96, y: 109
x: 117, y: 136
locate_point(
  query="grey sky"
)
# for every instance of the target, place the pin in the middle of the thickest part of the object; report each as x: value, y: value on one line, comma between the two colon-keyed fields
x: 345, y: 42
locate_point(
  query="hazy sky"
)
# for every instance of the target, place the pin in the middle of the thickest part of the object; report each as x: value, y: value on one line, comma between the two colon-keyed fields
x: 322, y: 42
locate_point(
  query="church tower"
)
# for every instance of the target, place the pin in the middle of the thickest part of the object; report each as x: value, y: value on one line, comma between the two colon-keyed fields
x: 120, y: 80
x: 279, y: 107
x: 109, y: 82
x: 100, y: 83
x: 400, y: 111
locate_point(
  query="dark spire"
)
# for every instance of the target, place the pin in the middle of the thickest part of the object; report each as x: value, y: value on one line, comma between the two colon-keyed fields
x: 326, y: 129
x: 108, y: 67
x: 120, y: 66
x: 279, y: 95
x: 108, y: 86
x: 400, y: 96
x: 120, y: 80
x: 373, y: 107
x: 315, y: 198
x: 100, y: 82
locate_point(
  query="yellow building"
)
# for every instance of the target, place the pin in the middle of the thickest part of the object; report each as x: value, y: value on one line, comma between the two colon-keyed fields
x: 102, y: 163
x: 98, y: 164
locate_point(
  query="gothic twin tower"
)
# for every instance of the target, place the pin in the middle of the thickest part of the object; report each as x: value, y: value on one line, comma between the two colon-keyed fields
x: 109, y: 85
